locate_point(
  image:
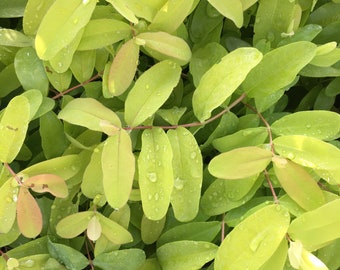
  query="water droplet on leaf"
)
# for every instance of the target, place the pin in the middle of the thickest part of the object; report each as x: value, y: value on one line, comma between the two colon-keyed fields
x: 152, y: 177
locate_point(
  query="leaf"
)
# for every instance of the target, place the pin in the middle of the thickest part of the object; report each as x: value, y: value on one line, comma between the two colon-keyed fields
x: 181, y: 255
x: 232, y: 11
x: 35, y: 100
x: 60, y: 80
x: 73, y: 225
x: 151, y: 229
x: 131, y: 259
x: 150, y: 91
x: 103, y: 32
x: 13, y: 128
x: 71, y: 258
x: 34, y: 13
x: 12, y: 8
x: 51, y: 183
x: 82, y: 65
x: 195, y: 231
x: 60, y: 25
x: 94, y: 229
x: 245, y: 137
x: 240, y: 163
x: 278, y: 68
x: 322, y: 125
x: 278, y: 258
x: 8, y: 80
x: 89, y: 113
x: 253, y: 241
x: 298, y: 184
x: 8, y: 204
x: 118, y: 166
x: 29, y: 216
x: 173, y: 115
x: 113, y: 231
x: 162, y: 46
x: 123, y: 68
x: 9, y: 37
x: 155, y: 173
x: 171, y: 15
x: 38, y: 260
x: 318, y: 227
x: 222, y: 79
x: 188, y: 174
x: 323, y: 157
x: 123, y: 10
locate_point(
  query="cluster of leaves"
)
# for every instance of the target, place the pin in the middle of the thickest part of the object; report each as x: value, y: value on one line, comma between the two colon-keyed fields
x: 187, y: 134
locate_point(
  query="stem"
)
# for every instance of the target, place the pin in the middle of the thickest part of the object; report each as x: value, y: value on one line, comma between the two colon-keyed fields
x: 222, y: 228
x: 88, y: 255
x: 276, y: 200
x: 16, y: 177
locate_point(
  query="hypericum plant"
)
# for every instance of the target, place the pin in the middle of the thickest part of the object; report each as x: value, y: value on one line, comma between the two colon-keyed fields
x: 169, y: 134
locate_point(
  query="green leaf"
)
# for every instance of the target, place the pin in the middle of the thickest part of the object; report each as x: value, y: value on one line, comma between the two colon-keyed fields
x: 195, y: 231
x: 253, y: 241
x: 222, y: 79
x: 322, y: 125
x: 73, y: 225
x: 34, y: 12
x: 8, y: 80
x: 188, y: 174
x: 278, y: 258
x: 103, y: 32
x: 60, y: 80
x: 151, y: 229
x: 232, y: 11
x: 155, y: 173
x: 71, y: 258
x: 29, y: 216
x: 171, y: 15
x: 89, y: 113
x: 8, y: 204
x: 35, y: 100
x: 240, y: 163
x: 118, y: 166
x: 325, y: 14
x: 82, y: 65
x: 61, y: 24
x: 113, y: 231
x: 123, y: 68
x: 173, y: 115
x: 30, y: 70
x: 298, y: 184
x: 184, y: 255
x: 131, y: 259
x: 123, y: 10
x: 245, y: 137
x: 162, y: 46
x: 150, y: 91
x: 318, y: 227
x: 12, y: 8
x: 9, y: 37
x: 323, y: 157
x: 94, y: 229
x: 53, y: 139
x: 278, y: 68
x: 38, y: 260
x: 12, y: 235
x: 13, y: 127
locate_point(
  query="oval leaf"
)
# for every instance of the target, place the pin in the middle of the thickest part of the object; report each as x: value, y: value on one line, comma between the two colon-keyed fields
x: 232, y: 11
x: 151, y: 229
x: 82, y: 65
x: 183, y: 255
x: 89, y: 113
x: 123, y: 68
x: 188, y: 174
x: 150, y: 91
x: 9, y: 196
x: 240, y: 163
x: 123, y: 10
x: 222, y: 79
x: 29, y: 216
x: 118, y: 166
x: 94, y: 229
x: 73, y: 225
x: 155, y: 173
x: 253, y: 241
x: 61, y: 23
x: 13, y: 127
x: 322, y: 125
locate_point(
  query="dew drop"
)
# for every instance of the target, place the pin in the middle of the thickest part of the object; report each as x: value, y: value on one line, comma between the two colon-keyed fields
x: 178, y: 183
x: 257, y: 241
x: 156, y: 196
x: 76, y: 20
x: 152, y: 177
x: 15, y: 198
x: 291, y: 156
x: 308, y: 126
x: 147, y: 86
x: 149, y: 197
x: 193, y: 155
x: 85, y: 2
x: 60, y: 64
x: 27, y: 263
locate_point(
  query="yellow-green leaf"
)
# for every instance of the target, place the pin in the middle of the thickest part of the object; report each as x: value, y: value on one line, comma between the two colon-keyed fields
x: 29, y: 216
x: 298, y: 184
x: 222, y: 79
x: 82, y: 65
x: 118, y: 166
x: 10, y: 37
x: 9, y: 196
x: 150, y: 91
x: 231, y: 10
x: 13, y: 127
x: 155, y: 173
x: 61, y: 23
x: 123, y: 10
x: 240, y: 163
x: 188, y: 174
x: 151, y: 229
x: 123, y: 68
x: 94, y: 229
x: 73, y: 225
x: 253, y: 241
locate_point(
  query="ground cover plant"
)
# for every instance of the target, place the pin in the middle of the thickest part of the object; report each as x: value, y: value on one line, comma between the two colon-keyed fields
x: 163, y: 134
